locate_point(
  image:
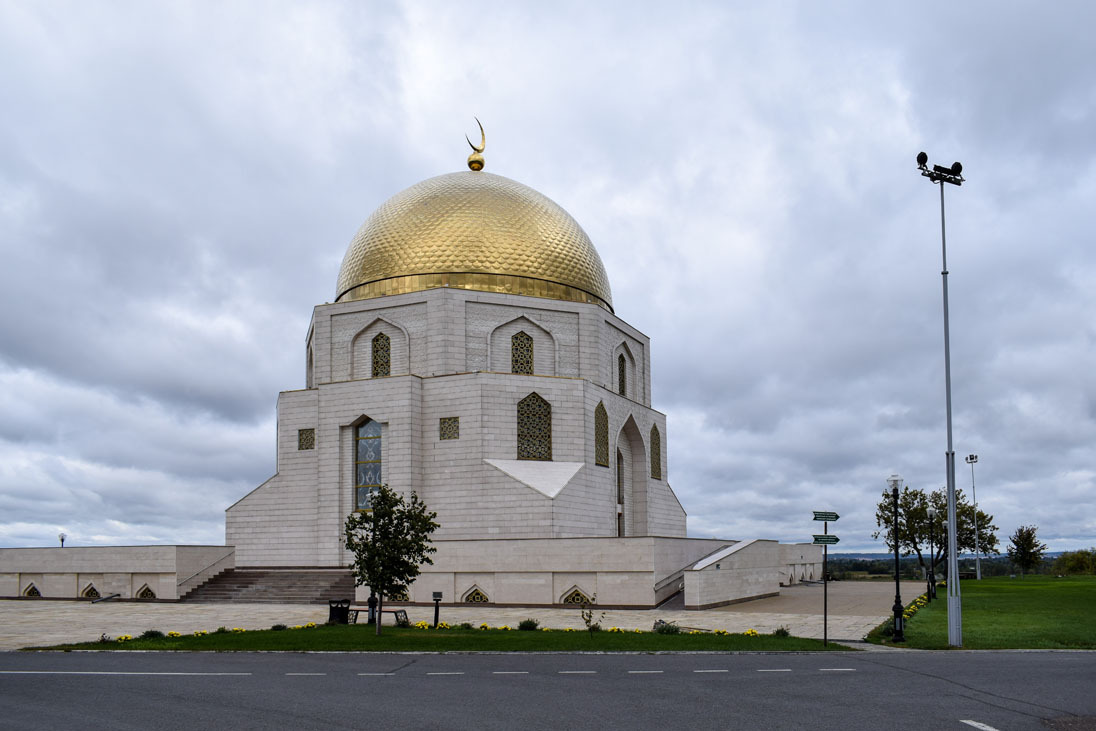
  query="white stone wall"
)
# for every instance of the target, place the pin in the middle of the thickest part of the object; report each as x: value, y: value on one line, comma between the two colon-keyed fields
x: 752, y: 571
x: 66, y: 573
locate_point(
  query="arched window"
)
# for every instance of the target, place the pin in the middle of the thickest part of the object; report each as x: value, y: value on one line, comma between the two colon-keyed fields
x: 534, y: 428
x: 476, y: 596
x: 656, y: 454
x: 90, y: 592
x: 620, y: 493
x: 382, y: 355
x: 146, y: 593
x: 521, y: 353
x: 576, y: 596
x: 622, y: 375
x: 367, y: 464
x: 601, y: 436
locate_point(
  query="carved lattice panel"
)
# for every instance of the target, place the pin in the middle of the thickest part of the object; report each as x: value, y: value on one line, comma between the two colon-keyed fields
x: 575, y: 596
x: 476, y: 597
x: 534, y: 428
x: 656, y: 454
x: 521, y: 353
x: 449, y: 427
x: 306, y: 439
x: 622, y: 375
x: 601, y: 436
x: 382, y: 355
x: 146, y: 593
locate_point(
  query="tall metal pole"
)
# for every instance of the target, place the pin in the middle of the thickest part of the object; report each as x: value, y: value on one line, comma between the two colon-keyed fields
x: 955, y: 605
x: 899, y: 628
x: 971, y: 460
x: 825, y: 587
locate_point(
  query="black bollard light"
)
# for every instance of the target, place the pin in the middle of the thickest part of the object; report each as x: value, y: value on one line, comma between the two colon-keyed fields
x: 932, y: 554
x: 372, y: 608
x: 437, y: 605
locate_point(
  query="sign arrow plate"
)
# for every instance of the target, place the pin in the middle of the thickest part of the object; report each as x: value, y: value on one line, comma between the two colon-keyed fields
x: 827, y: 540
x: 825, y: 515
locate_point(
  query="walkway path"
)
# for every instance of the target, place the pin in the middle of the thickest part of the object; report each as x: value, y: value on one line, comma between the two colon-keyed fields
x: 854, y: 608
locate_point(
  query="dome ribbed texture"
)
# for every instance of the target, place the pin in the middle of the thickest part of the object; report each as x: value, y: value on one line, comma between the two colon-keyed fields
x: 473, y: 230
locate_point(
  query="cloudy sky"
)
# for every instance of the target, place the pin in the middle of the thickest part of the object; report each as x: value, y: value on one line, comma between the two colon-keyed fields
x: 179, y: 182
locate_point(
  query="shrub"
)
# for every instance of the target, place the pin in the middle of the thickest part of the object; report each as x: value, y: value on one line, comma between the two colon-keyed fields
x: 221, y: 630
x: 151, y: 634
x: 279, y: 627
x: 667, y: 628
x: 528, y: 625
x: 465, y: 625
x: 781, y: 632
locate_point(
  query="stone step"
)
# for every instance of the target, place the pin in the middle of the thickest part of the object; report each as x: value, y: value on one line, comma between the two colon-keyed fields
x: 301, y: 586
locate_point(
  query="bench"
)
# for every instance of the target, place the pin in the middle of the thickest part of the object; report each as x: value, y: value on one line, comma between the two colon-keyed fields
x: 400, y: 615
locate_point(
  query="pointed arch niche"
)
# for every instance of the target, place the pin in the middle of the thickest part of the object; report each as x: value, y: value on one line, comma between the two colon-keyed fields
x: 625, y: 378
x: 508, y: 338
x: 368, y: 356
x: 630, y: 480
x: 534, y: 419
x: 601, y: 436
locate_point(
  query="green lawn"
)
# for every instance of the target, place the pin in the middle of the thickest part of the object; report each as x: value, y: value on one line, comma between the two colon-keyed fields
x: 361, y: 638
x: 1036, y: 612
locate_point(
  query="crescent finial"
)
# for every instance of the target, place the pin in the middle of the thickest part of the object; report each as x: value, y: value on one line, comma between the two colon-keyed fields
x: 475, y: 160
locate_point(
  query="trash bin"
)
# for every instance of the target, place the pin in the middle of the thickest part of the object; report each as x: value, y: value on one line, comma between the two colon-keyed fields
x: 338, y: 611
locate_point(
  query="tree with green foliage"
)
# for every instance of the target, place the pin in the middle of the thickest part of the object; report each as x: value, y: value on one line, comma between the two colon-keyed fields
x: 389, y: 542
x: 1025, y: 551
x: 1076, y: 562
x: 913, y: 525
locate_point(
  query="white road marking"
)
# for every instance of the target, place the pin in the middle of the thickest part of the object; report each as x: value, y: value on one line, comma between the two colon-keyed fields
x: 445, y: 673
x: 578, y: 672
x: 376, y: 674
x: 306, y: 674
x: 98, y: 672
x: 976, y: 724
x: 510, y: 672
x: 838, y: 670
x: 776, y: 670
x: 711, y: 671
x: 644, y: 672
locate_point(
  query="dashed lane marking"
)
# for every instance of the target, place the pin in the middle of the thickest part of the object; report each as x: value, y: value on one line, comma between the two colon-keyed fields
x: 578, y: 672
x: 837, y: 670
x: 445, y: 673
x: 978, y: 725
x: 376, y: 674
x: 644, y: 672
x: 711, y: 671
x: 775, y: 670
x: 510, y: 672
x: 305, y: 674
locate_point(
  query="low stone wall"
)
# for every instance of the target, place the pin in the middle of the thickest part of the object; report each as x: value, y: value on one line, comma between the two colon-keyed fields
x: 748, y: 570
x: 133, y: 572
x: 630, y: 573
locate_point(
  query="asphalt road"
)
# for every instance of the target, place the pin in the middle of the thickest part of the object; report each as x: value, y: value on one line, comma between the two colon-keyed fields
x: 877, y: 690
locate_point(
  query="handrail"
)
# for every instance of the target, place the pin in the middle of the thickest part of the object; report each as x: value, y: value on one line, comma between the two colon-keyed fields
x: 105, y: 598
x: 207, y: 567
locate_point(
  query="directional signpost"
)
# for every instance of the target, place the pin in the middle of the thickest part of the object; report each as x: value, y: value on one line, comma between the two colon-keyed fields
x: 825, y: 540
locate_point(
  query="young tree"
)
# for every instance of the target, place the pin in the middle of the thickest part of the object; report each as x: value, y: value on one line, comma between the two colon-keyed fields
x: 389, y: 542
x: 1024, y: 549
x: 1076, y: 562
x: 913, y: 525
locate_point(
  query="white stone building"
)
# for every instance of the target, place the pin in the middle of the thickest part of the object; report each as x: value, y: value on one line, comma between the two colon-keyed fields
x: 472, y: 355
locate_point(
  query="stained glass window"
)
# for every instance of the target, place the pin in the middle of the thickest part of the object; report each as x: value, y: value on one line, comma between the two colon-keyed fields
x: 656, y: 454
x: 449, y: 427
x: 306, y: 439
x: 476, y: 597
x: 521, y: 353
x: 601, y: 436
x: 534, y: 428
x: 622, y: 375
x: 367, y: 464
x: 382, y: 355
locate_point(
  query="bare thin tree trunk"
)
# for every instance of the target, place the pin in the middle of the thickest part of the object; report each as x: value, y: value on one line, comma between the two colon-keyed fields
x: 380, y: 608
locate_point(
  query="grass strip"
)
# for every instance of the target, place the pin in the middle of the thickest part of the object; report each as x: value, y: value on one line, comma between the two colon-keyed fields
x: 1000, y: 613
x: 361, y: 638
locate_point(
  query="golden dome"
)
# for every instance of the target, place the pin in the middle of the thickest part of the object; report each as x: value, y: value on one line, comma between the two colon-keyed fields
x: 473, y: 230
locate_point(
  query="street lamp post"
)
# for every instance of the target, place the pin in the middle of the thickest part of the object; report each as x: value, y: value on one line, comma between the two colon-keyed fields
x: 939, y: 175
x: 932, y: 553
x: 899, y: 621
x: 972, y: 459
x: 61, y: 537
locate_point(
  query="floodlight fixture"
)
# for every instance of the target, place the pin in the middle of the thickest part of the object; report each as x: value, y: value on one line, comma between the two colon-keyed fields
x: 939, y: 173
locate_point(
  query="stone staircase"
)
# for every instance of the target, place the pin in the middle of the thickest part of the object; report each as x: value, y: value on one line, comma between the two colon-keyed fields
x: 274, y: 586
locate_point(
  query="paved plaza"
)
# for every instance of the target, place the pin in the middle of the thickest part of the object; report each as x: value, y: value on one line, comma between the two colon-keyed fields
x: 854, y: 609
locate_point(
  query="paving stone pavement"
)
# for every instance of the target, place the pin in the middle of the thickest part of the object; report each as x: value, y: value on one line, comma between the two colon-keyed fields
x: 854, y: 609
